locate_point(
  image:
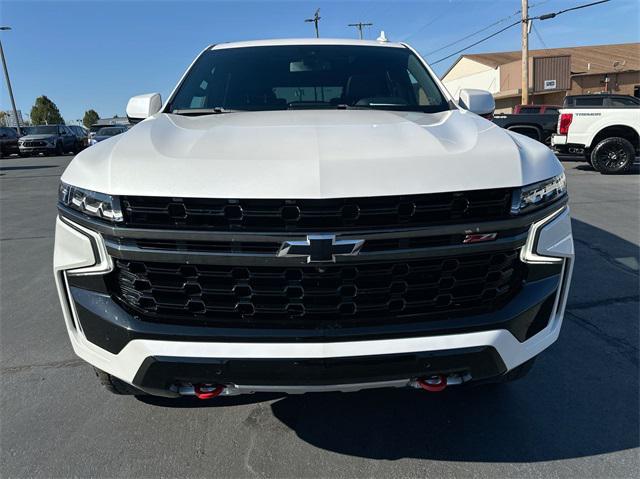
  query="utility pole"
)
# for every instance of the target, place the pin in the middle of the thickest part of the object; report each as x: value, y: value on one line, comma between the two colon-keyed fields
x: 359, y: 26
x: 315, y: 20
x: 525, y: 52
x: 6, y: 76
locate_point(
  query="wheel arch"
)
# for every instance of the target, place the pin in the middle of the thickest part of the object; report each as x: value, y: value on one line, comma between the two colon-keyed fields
x: 622, y: 131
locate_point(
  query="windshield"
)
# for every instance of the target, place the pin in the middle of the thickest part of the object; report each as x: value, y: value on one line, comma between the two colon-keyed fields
x: 109, y: 131
x: 42, y: 130
x: 308, y: 76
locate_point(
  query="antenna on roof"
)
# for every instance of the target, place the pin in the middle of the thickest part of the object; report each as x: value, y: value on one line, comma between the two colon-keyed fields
x: 359, y: 26
x: 315, y: 19
x: 382, y: 37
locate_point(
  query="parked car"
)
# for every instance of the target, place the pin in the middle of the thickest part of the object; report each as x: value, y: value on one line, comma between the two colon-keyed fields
x: 8, y: 141
x: 107, y: 132
x: 537, y: 109
x: 603, y: 100
x: 82, y: 136
x: 330, y: 220
x: 47, y: 139
x: 609, y: 134
x: 535, y: 121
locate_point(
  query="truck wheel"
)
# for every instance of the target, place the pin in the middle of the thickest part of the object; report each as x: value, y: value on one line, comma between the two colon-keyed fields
x: 115, y: 385
x: 59, y: 149
x: 613, y: 155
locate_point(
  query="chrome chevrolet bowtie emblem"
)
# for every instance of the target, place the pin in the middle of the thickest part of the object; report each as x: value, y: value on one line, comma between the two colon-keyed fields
x: 320, y: 248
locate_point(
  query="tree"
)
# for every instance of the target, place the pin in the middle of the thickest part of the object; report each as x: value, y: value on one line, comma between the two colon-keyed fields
x: 3, y: 118
x: 45, y: 112
x: 90, y: 117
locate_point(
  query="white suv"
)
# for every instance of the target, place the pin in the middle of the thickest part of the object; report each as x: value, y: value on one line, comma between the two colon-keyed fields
x: 311, y: 215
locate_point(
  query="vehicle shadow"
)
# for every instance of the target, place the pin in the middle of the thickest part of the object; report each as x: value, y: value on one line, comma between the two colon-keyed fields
x: 581, y: 398
x: 634, y: 170
x: 27, y: 167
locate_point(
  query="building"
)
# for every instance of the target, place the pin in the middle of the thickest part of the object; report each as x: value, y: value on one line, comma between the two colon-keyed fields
x: 10, y: 119
x: 553, y: 73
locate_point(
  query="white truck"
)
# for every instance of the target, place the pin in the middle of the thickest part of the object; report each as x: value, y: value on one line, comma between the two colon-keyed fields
x: 311, y: 215
x: 607, y: 128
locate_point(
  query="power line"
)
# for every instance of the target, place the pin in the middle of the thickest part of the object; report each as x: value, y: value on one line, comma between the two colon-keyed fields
x: 484, y: 29
x: 479, y: 41
x: 546, y: 16
x: 535, y: 30
x: 472, y: 34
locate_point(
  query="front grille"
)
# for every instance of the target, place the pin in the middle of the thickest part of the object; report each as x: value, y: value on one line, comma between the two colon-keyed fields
x: 332, y: 295
x: 34, y: 143
x: 316, y: 215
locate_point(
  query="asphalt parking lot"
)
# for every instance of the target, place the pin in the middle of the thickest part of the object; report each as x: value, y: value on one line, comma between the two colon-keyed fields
x: 576, y: 415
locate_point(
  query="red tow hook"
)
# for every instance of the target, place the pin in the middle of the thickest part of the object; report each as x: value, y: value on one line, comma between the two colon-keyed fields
x: 207, y: 391
x: 433, y: 384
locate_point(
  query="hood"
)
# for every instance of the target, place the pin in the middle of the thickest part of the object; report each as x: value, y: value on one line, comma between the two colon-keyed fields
x: 311, y: 154
x: 50, y: 136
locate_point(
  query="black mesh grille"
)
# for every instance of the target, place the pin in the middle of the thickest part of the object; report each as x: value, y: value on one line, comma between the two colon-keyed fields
x: 316, y: 215
x: 328, y: 295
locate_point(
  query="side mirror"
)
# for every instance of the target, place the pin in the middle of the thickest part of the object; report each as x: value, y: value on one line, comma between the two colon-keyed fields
x: 480, y: 102
x: 143, y: 106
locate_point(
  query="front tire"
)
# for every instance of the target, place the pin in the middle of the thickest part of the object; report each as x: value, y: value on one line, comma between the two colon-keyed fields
x: 59, y: 149
x: 613, y: 155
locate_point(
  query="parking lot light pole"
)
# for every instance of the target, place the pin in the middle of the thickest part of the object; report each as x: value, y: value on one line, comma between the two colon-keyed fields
x: 6, y: 76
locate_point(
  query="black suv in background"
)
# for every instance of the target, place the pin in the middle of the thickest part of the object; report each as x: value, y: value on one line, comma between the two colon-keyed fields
x: 8, y: 141
x: 48, y: 139
x: 82, y: 135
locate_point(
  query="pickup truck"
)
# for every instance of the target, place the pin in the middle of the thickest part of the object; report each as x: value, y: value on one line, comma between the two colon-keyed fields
x: 609, y: 135
x: 311, y: 215
x: 535, y: 121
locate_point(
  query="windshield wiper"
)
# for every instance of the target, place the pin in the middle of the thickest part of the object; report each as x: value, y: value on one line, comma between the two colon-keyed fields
x: 378, y: 106
x: 203, y: 111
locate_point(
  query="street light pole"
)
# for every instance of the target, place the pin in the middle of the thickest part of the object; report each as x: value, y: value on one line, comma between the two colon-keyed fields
x: 6, y: 76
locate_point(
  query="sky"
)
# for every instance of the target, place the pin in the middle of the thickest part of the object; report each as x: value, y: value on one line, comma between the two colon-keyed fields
x: 97, y: 54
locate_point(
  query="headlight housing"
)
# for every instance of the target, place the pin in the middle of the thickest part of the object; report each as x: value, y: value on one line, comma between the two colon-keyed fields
x: 90, y: 203
x: 538, y: 195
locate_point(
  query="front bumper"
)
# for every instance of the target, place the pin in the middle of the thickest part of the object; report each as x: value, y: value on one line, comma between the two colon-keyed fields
x: 36, y: 149
x: 155, y: 357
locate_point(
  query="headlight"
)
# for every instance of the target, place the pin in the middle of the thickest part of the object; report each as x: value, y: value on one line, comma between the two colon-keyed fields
x: 90, y: 202
x: 538, y: 195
